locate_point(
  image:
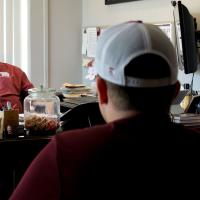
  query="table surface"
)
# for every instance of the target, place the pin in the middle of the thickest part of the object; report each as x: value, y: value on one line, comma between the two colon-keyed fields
x: 72, y: 102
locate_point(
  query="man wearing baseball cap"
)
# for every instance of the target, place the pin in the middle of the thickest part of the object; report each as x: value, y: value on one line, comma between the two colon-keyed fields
x: 139, y: 152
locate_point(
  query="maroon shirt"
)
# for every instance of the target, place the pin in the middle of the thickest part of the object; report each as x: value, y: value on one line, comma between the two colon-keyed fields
x: 144, y: 155
x: 13, y: 82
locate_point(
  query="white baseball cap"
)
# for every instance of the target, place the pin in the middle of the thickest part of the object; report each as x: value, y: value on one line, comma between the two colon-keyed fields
x: 120, y: 44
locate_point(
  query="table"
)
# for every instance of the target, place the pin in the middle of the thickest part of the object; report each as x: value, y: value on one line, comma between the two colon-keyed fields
x: 69, y: 103
x: 16, y: 155
x: 18, y: 152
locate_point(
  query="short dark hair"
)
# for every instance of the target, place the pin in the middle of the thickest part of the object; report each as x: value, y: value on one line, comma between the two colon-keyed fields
x: 143, y: 99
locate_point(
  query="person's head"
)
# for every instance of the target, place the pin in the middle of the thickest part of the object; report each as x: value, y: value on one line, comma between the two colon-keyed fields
x: 137, y: 69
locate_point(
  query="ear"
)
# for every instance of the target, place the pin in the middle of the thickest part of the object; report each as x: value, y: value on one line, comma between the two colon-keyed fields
x: 101, y: 90
x: 177, y: 89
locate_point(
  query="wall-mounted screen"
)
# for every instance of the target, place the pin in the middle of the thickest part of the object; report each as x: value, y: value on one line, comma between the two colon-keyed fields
x: 108, y: 2
x: 185, y: 38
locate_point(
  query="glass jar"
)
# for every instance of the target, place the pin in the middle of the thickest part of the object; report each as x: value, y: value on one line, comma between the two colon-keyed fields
x: 41, y: 111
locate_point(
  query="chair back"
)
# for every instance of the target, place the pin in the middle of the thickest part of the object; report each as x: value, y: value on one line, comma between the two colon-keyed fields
x: 81, y: 116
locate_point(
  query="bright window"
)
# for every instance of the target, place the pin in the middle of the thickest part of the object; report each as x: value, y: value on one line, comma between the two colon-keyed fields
x: 14, y: 33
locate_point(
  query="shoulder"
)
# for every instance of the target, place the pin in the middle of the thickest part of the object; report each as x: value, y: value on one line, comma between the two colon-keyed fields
x: 187, y: 130
x: 12, y: 68
x: 85, y: 136
x: 74, y: 147
x: 7, y: 66
x: 185, y: 137
x: 192, y: 132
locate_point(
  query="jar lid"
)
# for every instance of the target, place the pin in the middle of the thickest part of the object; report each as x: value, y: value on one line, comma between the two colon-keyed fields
x: 41, y: 89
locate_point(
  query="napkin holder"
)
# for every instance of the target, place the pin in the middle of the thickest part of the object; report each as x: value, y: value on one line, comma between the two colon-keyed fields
x: 9, y: 121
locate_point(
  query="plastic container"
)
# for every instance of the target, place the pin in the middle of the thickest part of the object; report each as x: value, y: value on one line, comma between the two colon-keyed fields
x: 41, y: 111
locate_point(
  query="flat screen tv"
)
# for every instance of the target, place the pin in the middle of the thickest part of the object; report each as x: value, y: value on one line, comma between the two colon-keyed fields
x: 108, y: 2
x: 186, y: 42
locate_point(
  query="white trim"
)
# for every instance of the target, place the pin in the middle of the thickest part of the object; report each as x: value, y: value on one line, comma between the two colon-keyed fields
x: 4, y: 30
x: 8, y: 31
x: 24, y: 35
x: 1, y: 29
x: 16, y: 34
x: 45, y: 23
x: 28, y: 41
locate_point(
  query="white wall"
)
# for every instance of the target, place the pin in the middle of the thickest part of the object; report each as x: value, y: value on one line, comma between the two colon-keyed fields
x: 64, y: 42
x: 67, y: 17
x: 36, y: 42
x: 96, y: 13
x: 65, y: 25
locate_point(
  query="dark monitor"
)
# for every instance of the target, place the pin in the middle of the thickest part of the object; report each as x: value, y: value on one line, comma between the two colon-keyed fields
x: 108, y: 2
x: 186, y: 43
x: 194, y: 105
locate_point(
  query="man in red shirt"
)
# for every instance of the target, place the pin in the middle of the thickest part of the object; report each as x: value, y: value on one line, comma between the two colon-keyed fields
x: 139, y: 153
x: 14, y: 85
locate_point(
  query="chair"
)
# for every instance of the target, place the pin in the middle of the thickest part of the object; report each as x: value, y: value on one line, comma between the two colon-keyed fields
x: 81, y: 116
